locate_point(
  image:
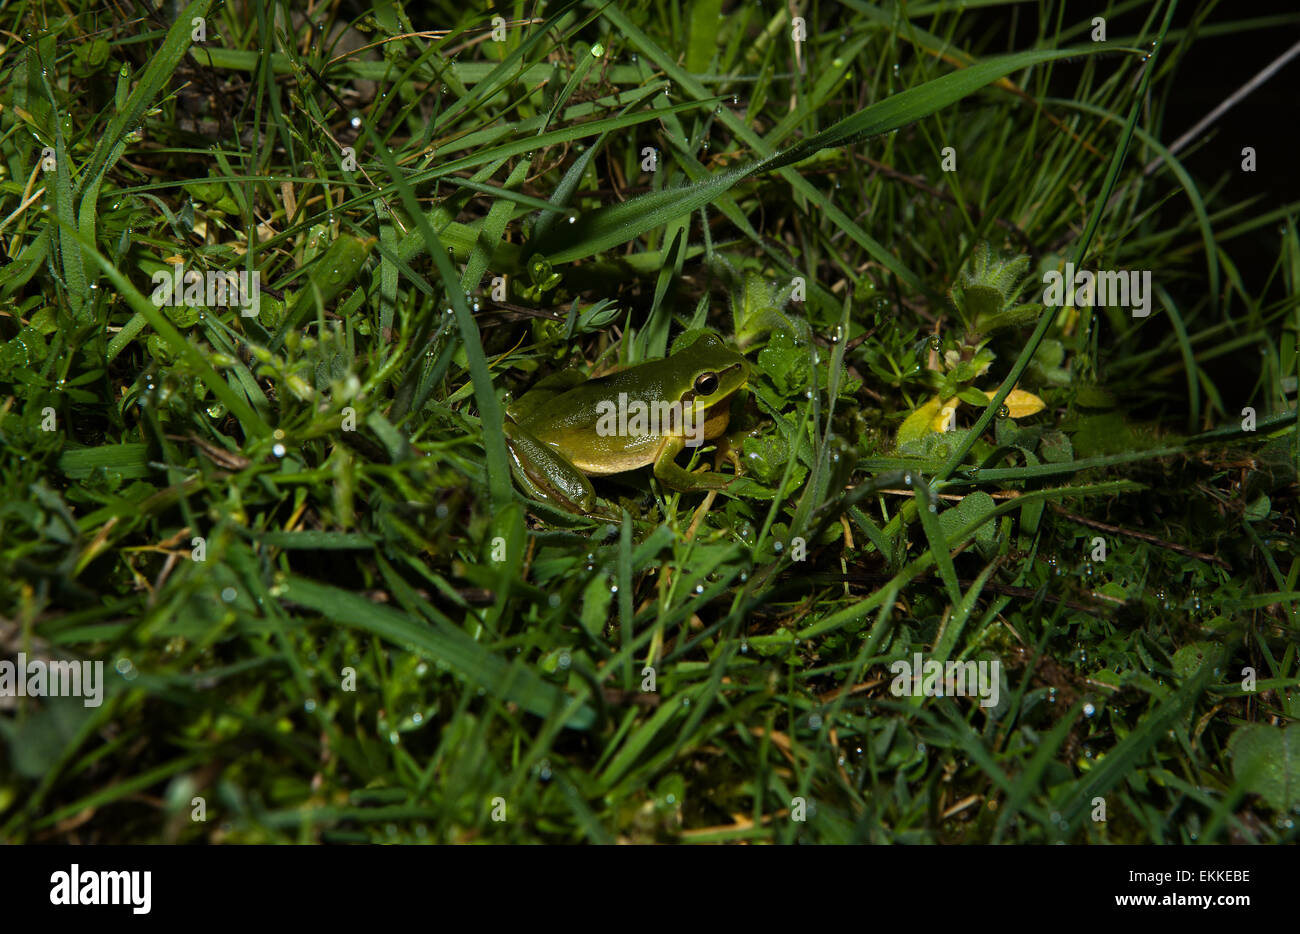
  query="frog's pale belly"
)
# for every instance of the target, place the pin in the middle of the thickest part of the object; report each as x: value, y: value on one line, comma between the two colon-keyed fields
x: 632, y: 453
x: 618, y: 453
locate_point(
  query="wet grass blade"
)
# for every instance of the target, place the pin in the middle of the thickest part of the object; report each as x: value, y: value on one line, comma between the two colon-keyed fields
x: 616, y: 224
x: 469, y: 659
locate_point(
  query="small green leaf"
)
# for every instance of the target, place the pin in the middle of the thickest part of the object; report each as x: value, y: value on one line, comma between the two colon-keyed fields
x: 1189, y: 659
x: 1258, y: 510
x: 1055, y: 447
x: 973, y: 508
x: 1266, y: 761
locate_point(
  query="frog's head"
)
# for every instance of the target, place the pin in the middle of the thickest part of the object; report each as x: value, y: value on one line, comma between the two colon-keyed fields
x: 709, y: 372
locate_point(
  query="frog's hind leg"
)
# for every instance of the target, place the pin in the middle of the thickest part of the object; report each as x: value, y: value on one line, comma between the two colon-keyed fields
x: 547, y: 474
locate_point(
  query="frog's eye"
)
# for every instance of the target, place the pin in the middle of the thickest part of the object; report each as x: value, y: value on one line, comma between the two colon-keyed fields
x: 706, y: 384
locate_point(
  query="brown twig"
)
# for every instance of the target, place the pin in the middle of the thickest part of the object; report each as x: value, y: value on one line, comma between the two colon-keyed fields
x: 1141, y: 536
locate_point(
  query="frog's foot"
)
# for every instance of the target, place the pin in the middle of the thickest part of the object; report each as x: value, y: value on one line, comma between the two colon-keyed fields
x: 726, y: 451
x: 679, y: 478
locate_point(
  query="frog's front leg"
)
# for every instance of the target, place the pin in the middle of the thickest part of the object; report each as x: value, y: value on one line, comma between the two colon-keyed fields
x: 679, y: 478
x: 546, y: 473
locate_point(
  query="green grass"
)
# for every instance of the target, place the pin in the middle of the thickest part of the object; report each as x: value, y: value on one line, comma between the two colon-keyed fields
x: 325, y: 608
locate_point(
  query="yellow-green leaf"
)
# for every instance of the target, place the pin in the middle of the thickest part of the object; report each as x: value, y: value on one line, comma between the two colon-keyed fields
x: 1021, y: 404
x: 928, y: 418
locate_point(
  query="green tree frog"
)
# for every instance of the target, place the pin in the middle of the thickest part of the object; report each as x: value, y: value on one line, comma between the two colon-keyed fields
x: 559, y: 433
